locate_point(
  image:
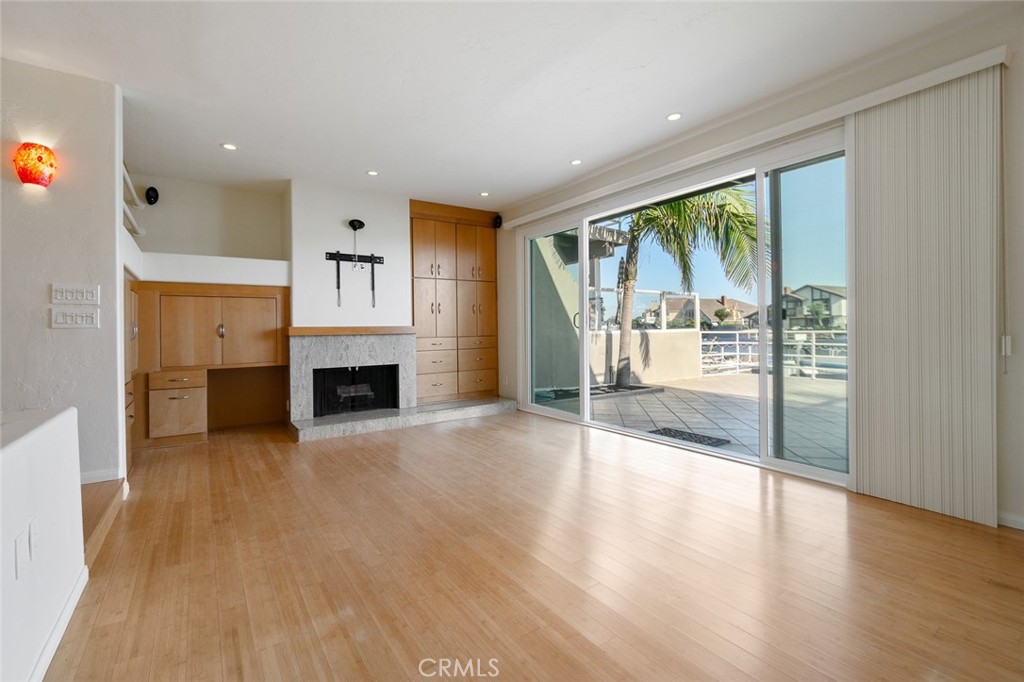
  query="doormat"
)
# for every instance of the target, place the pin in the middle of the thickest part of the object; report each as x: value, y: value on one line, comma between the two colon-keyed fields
x: 691, y: 437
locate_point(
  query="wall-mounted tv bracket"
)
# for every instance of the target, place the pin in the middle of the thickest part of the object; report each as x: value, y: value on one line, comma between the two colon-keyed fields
x: 338, y: 257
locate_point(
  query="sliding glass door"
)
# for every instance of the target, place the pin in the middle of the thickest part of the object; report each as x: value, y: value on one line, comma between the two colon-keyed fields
x: 809, y: 314
x: 715, y: 317
x: 554, y: 309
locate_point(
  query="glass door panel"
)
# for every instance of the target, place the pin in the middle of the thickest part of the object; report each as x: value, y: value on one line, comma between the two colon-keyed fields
x: 555, y: 321
x: 807, y: 316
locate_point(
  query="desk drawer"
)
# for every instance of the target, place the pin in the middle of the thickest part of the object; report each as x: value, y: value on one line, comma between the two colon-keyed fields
x: 185, y: 378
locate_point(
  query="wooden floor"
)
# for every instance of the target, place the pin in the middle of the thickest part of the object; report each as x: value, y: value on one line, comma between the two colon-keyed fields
x: 564, y: 553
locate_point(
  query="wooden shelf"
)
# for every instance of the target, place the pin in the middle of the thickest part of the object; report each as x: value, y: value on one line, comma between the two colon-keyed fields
x: 347, y: 331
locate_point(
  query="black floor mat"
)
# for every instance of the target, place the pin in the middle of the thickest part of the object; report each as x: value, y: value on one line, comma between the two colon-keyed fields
x: 688, y: 436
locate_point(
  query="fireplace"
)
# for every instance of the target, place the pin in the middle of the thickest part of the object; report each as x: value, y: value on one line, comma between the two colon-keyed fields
x: 325, y: 348
x: 337, y: 390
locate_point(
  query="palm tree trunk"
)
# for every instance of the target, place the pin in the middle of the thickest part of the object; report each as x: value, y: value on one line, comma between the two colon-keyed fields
x: 624, y: 368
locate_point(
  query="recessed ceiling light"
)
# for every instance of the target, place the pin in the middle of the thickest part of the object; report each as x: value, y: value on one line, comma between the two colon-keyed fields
x: 230, y: 147
x: 576, y: 162
x: 485, y: 194
x: 674, y: 117
x: 371, y: 172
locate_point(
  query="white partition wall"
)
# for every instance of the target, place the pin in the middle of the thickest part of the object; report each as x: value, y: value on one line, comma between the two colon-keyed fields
x: 927, y: 197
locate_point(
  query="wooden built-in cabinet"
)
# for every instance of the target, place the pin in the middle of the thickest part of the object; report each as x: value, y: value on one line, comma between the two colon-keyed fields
x: 477, y: 308
x: 433, y: 248
x: 476, y: 256
x: 208, y: 355
x: 177, y: 403
x: 455, y: 302
x: 435, y: 307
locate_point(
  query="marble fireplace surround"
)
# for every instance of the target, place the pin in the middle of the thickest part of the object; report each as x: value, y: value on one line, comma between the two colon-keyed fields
x: 323, y: 347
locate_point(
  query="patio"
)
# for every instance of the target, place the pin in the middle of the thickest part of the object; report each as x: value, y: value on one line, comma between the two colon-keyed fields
x: 725, y: 406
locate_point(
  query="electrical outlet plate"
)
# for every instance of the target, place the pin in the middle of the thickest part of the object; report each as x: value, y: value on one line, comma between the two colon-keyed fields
x: 75, y: 294
x: 75, y: 318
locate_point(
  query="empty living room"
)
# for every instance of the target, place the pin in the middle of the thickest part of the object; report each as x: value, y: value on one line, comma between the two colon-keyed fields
x: 512, y: 341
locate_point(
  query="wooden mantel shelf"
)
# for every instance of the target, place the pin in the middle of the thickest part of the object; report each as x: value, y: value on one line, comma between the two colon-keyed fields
x: 347, y: 331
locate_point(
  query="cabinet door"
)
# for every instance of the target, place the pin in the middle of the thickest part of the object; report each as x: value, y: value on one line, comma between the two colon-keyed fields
x: 250, y: 330
x: 445, y: 250
x: 467, y: 308
x: 486, y: 309
x: 188, y: 331
x: 447, y: 307
x: 486, y: 254
x: 133, y: 348
x: 423, y: 237
x: 465, y: 246
x: 424, y: 308
x: 177, y: 412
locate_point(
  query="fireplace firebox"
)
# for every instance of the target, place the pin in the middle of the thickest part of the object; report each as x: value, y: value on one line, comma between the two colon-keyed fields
x: 337, y: 390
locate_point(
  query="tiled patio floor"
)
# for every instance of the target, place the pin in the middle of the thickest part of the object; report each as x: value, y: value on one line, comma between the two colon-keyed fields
x: 726, y: 407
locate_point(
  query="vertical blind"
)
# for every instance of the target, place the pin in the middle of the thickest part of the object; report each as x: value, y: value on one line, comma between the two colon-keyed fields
x: 926, y: 224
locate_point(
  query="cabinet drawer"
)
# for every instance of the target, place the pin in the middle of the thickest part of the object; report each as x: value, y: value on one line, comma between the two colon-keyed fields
x: 478, y: 342
x: 129, y: 393
x: 480, y: 380
x: 446, y: 343
x: 186, y: 378
x: 436, y: 361
x: 428, y: 385
x: 482, y: 358
x: 176, y: 412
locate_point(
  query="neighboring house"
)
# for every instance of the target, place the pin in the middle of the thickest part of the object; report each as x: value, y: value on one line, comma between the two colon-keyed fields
x: 812, y: 306
x: 679, y: 313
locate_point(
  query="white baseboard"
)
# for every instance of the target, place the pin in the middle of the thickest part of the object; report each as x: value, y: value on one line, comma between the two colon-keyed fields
x: 125, y: 490
x: 98, y: 476
x: 53, y: 641
x: 1011, y: 520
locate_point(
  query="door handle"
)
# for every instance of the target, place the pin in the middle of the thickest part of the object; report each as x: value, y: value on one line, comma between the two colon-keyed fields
x: 221, y: 330
x: 576, y: 320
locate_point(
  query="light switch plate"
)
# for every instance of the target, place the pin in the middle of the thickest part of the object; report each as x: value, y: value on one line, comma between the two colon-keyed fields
x: 75, y: 294
x: 74, y: 318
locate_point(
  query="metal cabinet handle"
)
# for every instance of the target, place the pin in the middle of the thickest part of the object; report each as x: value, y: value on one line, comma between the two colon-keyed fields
x: 178, y: 397
x: 474, y: 308
x: 221, y: 330
x: 477, y: 381
x: 130, y: 418
x: 436, y: 362
x: 431, y: 268
x: 435, y: 344
x: 135, y: 331
x: 438, y: 269
x: 480, y: 272
x: 441, y: 384
x: 477, y: 359
x: 431, y: 308
x: 129, y: 394
x: 438, y: 308
x: 179, y: 379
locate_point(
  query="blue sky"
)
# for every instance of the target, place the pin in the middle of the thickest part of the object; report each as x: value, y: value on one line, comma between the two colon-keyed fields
x: 813, y: 219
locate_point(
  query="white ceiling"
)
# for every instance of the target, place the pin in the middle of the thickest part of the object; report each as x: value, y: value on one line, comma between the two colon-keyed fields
x: 444, y: 100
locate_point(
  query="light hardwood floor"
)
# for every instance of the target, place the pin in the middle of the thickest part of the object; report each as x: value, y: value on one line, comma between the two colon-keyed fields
x: 565, y: 553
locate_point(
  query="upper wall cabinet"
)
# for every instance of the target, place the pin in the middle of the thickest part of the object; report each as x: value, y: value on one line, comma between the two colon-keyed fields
x: 433, y: 249
x: 211, y: 325
x: 212, y: 330
x: 476, y: 257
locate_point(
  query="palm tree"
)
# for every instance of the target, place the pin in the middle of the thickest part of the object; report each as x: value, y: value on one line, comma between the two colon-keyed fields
x: 723, y: 221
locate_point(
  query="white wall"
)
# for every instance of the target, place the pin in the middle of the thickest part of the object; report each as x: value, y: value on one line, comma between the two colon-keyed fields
x: 210, y: 220
x: 65, y: 233
x: 41, y: 488
x: 319, y: 223
x: 873, y: 74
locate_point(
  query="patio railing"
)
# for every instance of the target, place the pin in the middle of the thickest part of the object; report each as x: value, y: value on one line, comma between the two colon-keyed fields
x: 813, y: 353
